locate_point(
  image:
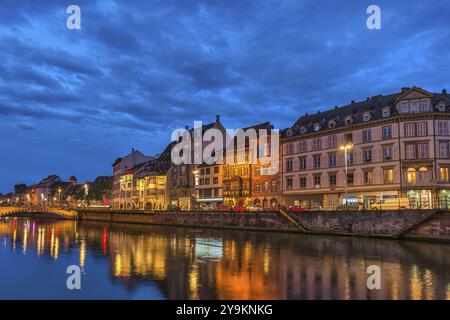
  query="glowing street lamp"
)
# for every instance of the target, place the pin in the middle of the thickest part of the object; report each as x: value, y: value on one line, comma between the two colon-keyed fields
x: 59, y: 195
x: 86, y: 191
x: 348, y: 146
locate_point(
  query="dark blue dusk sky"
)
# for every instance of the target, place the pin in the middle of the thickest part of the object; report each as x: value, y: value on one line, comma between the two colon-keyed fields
x: 71, y: 101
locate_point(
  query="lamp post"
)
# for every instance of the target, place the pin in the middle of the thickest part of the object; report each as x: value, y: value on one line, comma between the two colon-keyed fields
x: 348, y: 146
x: 59, y: 194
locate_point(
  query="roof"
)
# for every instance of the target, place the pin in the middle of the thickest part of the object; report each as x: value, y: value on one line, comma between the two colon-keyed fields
x: 374, y: 106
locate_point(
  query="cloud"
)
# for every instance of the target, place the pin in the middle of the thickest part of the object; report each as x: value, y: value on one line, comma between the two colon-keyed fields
x: 139, y: 69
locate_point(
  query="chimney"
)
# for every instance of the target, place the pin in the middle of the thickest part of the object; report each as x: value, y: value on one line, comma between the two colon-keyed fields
x: 444, y: 91
x: 404, y: 89
x: 217, y: 118
x: 132, y: 150
x: 353, y: 101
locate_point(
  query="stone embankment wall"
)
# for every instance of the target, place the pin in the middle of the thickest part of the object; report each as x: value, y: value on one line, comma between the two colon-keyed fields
x: 413, y: 224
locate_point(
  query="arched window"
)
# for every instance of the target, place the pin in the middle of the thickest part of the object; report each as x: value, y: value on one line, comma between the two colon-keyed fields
x: 411, y: 175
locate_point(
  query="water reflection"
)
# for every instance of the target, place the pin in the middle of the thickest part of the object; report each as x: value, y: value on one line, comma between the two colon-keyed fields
x: 178, y: 263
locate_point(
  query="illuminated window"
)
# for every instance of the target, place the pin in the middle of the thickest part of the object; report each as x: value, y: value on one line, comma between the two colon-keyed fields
x: 411, y: 175
x: 443, y: 173
x: 388, y: 175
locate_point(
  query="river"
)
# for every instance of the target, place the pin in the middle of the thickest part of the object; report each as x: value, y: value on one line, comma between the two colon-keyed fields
x: 128, y: 261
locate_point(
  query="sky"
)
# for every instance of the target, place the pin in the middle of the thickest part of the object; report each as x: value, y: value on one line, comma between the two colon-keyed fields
x: 72, y: 101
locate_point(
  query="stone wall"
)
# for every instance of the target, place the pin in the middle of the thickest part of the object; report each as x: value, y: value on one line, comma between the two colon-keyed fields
x: 417, y: 224
x: 387, y: 223
x: 247, y: 220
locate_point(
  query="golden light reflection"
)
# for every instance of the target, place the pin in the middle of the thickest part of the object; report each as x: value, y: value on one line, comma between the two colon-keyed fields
x: 82, y: 253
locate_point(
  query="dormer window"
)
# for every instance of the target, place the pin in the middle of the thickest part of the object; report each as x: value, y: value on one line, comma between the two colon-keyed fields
x: 441, y: 107
x: 413, y: 106
x: 331, y: 124
x: 366, y: 116
x: 290, y: 133
x: 317, y: 127
x: 424, y: 105
x: 302, y: 129
x: 404, y: 108
x: 348, y: 120
x: 386, y: 112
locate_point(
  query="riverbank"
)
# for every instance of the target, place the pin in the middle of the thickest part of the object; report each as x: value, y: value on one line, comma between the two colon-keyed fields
x: 409, y: 224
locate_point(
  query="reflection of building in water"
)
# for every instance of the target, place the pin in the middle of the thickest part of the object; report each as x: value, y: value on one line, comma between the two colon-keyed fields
x: 217, y: 264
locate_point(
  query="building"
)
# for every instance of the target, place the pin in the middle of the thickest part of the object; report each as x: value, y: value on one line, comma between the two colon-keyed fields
x: 44, y: 189
x: 184, y: 177
x: 209, y: 184
x: 120, y: 166
x: 247, y: 183
x: 395, y: 145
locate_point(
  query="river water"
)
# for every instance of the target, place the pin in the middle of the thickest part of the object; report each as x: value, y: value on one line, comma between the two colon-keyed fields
x: 127, y: 261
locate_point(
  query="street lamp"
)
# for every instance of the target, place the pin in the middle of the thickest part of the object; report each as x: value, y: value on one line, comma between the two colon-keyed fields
x: 59, y: 194
x: 348, y: 146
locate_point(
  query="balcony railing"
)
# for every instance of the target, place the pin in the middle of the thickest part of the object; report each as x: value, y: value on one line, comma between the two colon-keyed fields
x: 419, y: 182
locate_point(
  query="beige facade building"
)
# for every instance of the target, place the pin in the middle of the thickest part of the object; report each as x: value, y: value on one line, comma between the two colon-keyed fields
x: 397, y: 146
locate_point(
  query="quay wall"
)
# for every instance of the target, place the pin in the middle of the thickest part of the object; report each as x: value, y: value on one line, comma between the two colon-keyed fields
x: 410, y: 224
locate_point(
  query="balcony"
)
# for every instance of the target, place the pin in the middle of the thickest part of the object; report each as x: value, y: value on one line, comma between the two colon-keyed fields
x: 419, y: 182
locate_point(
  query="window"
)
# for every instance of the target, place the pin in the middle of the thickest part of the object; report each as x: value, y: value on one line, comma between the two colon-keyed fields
x: 443, y: 128
x: 387, y: 132
x: 316, y: 144
x: 316, y: 161
x: 257, y: 171
x: 387, y: 153
x: 386, y: 113
x: 332, y: 179
x: 350, y: 178
x: 368, y: 177
x: 316, y: 127
x: 332, y: 141
x: 388, y: 175
x: 258, y: 187
x: 302, y: 182
x: 273, y: 186
x: 422, y: 150
x: 207, y: 171
x: 443, y: 174
x: 302, y: 146
x: 367, y: 153
x: 348, y: 120
x: 441, y: 107
x: 410, y: 151
x: 331, y: 124
x: 215, y: 180
x: 302, y: 163
x: 367, y: 135
x: 348, y: 138
x: 350, y: 158
x: 443, y: 149
x: 202, y: 172
x: 424, y: 105
x: 317, y: 181
x: 289, y: 183
x: 207, y: 180
x: 404, y: 107
x: 366, y: 117
x: 289, y: 148
x: 332, y: 160
x: 410, y: 129
x: 289, y: 165
x: 422, y: 129
x: 216, y: 169
x: 411, y: 175
x: 413, y: 106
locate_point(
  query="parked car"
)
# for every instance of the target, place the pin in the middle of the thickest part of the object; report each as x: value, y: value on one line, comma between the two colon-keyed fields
x: 354, y: 206
x: 297, y: 209
x: 253, y: 208
x: 239, y: 208
x: 209, y: 207
x: 223, y: 207
x: 173, y: 207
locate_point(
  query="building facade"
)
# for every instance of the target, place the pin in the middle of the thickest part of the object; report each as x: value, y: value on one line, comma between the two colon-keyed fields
x: 394, y: 146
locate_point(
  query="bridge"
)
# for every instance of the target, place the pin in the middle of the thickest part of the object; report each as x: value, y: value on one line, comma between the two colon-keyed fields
x: 38, y: 211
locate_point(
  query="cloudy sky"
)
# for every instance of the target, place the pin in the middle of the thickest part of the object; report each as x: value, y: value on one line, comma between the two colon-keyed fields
x: 71, y: 101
